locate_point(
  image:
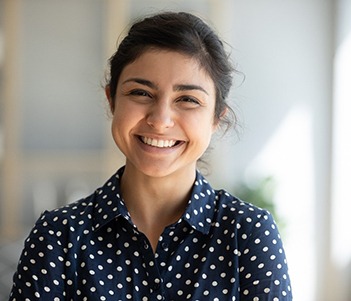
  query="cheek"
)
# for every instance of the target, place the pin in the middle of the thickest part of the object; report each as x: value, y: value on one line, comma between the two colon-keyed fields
x: 120, y: 113
x: 125, y: 118
x: 201, y: 126
x: 119, y: 122
x: 120, y: 129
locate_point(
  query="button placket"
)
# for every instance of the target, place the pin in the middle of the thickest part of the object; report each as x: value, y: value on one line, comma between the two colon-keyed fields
x: 154, y: 278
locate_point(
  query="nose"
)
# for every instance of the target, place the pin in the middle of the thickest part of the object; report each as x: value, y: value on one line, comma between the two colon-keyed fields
x: 160, y: 116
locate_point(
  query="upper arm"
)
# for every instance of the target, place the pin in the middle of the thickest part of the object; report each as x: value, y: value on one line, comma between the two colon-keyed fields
x: 39, y: 272
x: 263, y: 266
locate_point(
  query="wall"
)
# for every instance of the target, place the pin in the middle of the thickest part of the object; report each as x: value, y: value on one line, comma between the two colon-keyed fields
x: 339, y: 274
x: 285, y: 50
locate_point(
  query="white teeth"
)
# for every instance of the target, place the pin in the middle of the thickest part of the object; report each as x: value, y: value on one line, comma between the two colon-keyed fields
x: 158, y: 143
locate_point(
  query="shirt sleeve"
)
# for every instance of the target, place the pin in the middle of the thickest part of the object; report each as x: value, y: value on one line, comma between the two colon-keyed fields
x: 263, y: 266
x: 39, y: 274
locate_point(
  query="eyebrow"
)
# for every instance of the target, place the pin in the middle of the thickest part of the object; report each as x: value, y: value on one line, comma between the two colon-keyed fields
x: 180, y: 87
x: 141, y: 81
x: 189, y: 87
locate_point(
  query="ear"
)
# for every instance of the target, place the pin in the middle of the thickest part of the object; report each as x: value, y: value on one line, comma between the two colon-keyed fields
x: 217, y: 121
x: 109, y: 98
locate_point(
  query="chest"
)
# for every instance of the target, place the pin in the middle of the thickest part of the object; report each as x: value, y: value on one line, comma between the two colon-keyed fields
x: 119, y: 264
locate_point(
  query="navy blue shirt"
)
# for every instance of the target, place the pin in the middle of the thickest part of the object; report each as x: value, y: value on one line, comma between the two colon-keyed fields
x: 220, y: 249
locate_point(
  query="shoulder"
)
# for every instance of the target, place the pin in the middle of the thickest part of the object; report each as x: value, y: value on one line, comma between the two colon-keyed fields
x: 234, y: 208
x: 67, y: 221
x: 69, y: 214
x: 249, y: 222
x: 226, y: 211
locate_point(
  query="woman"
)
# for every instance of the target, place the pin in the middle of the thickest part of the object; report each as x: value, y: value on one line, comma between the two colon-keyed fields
x: 157, y: 230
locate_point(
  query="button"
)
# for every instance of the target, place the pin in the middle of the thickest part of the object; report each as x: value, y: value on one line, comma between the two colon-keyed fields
x: 157, y: 284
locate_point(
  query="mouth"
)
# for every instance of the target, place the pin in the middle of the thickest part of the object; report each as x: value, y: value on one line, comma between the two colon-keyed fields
x: 160, y: 143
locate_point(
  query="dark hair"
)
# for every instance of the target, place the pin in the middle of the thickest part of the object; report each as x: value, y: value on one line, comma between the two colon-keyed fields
x: 185, y: 33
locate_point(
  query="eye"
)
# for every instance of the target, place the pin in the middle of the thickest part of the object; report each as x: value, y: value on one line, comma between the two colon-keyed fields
x: 189, y: 100
x: 139, y: 92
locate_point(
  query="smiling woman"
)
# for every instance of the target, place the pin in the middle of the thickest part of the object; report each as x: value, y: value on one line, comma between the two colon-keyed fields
x: 157, y: 230
x: 163, y: 96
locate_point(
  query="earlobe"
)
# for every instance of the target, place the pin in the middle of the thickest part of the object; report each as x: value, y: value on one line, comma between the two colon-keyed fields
x: 217, y: 122
x: 224, y: 112
x: 109, y: 98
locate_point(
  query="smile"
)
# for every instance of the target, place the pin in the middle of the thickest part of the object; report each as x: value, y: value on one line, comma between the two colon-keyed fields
x: 158, y: 142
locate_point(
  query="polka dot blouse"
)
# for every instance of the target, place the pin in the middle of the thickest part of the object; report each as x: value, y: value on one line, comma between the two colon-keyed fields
x: 220, y: 249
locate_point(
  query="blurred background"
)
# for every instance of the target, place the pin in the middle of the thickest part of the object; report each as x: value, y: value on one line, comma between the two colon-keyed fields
x: 291, y: 150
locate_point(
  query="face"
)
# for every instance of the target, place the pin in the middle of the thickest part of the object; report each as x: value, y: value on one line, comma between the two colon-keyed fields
x: 163, y: 116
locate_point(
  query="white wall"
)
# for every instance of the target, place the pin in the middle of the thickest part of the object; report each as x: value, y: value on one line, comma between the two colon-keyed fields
x: 62, y: 71
x: 339, y: 276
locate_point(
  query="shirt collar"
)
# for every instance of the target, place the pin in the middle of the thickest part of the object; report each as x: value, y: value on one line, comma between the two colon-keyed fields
x: 109, y: 204
x: 201, y: 206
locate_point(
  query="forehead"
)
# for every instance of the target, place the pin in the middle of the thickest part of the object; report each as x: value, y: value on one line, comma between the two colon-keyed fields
x: 165, y: 65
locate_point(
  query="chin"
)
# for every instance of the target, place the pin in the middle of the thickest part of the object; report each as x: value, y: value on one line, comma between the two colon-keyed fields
x: 162, y: 171
x: 154, y: 172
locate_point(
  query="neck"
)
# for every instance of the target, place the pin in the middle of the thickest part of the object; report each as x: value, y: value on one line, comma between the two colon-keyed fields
x: 155, y: 202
